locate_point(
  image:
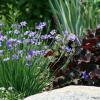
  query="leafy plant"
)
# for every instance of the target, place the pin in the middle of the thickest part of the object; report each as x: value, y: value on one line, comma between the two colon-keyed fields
x: 72, y: 22
x: 91, y: 13
x: 84, y: 67
x: 30, y: 10
x: 25, y: 79
x: 22, y: 62
x: 75, y: 16
x: 72, y: 18
x: 68, y: 15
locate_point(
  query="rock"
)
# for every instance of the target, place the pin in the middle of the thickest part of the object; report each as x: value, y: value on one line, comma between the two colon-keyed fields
x: 69, y: 93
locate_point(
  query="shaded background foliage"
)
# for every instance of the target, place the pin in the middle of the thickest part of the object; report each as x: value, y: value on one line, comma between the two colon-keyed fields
x: 30, y: 10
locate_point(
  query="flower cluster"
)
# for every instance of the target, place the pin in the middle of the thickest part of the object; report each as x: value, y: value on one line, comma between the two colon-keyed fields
x: 20, y: 43
x: 41, y: 25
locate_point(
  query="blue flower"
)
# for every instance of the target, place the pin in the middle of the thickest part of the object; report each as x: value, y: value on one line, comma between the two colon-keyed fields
x: 52, y: 32
x: 9, y: 44
x: 31, y: 34
x: 41, y: 25
x: 14, y: 56
x: 71, y: 37
x: 85, y: 75
x: 68, y: 49
x: 44, y: 37
x: 32, y: 52
x: 65, y: 33
x: 1, y: 37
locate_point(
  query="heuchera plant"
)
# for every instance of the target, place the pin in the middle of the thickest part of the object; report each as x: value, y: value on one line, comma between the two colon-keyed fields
x: 84, y: 67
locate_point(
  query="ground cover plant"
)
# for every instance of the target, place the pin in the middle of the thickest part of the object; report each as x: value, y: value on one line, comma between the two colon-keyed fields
x: 84, y: 67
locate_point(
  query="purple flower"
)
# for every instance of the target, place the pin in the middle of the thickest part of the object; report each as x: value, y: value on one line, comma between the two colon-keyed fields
x: 29, y: 57
x: 68, y: 49
x: 44, y: 36
x: 10, y: 43
x: 31, y: 34
x: 51, y: 37
x: 65, y: 33
x: 34, y: 41
x: 9, y: 47
x: 1, y: 37
x: 53, y: 32
x: 41, y: 25
x: 71, y: 37
x: 42, y: 52
x: 32, y: 52
x: 85, y: 75
x: 23, y: 23
x: 35, y: 53
x: 14, y: 56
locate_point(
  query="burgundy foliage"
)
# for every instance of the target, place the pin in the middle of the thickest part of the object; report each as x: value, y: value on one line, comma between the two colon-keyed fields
x: 84, y: 68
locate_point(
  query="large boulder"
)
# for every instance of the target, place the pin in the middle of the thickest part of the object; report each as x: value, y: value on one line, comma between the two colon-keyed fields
x: 69, y: 93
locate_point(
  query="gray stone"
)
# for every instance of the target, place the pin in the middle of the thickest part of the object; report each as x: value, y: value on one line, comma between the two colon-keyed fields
x: 69, y: 93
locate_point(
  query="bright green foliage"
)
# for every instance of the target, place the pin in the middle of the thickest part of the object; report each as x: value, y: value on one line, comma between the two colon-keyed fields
x: 27, y: 80
x: 75, y: 15
x: 68, y: 15
x: 91, y: 13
